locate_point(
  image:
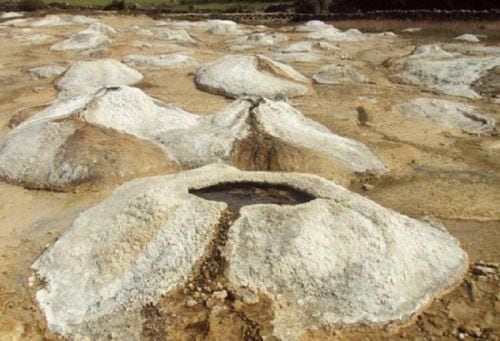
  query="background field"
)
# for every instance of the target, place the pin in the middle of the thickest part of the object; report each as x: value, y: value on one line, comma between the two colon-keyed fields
x: 181, y: 5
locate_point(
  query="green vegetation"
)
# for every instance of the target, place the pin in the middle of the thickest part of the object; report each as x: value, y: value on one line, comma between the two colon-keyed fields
x: 220, y: 5
x: 30, y: 5
x: 313, y: 6
x: 301, y: 6
x: 369, y: 5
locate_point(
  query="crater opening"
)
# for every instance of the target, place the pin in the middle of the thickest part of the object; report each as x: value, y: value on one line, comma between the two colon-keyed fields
x: 239, y: 194
x: 211, y: 270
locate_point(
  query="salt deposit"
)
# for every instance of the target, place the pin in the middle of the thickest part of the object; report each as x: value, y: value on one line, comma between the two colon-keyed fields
x: 256, y: 40
x: 338, y: 74
x: 337, y: 258
x: 62, y: 20
x: 450, y: 73
x: 47, y: 71
x: 237, y: 75
x: 449, y: 114
x: 88, y: 76
x: 222, y: 27
x: 67, y: 154
x: 469, y: 38
x: 172, y: 60
x: 96, y: 35
x: 245, y: 129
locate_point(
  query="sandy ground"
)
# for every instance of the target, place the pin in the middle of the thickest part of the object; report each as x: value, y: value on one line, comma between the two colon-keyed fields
x: 435, y: 172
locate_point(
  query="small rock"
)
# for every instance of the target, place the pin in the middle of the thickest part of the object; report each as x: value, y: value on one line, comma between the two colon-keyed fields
x: 462, y: 336
x: 475, y: 331
x: 238, y: 305
x: 371, y: 99
x: 191, y: 303
x: 219, y: 295
x: 47, y: 71
x: 31, y: 281
x: 488, y: 264
x: 249, y: 297
x: 480, y: 270
x: 368, y: 187
x: 281, y: 97
x: 412, y: 29
x: 217, y: 310
x: 468, y: 37
x: 210, y: 303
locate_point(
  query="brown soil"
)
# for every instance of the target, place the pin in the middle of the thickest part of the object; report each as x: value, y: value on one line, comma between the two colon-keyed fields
x: 437, y: 172
x: 112, y: 156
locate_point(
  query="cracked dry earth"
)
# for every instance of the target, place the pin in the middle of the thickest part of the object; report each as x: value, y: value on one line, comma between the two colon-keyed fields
x: 434, y: 171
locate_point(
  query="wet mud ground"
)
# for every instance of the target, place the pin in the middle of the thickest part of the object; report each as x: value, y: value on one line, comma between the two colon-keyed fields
x: 443, y: 174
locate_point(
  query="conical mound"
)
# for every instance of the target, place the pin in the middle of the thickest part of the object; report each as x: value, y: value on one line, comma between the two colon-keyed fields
x: 252, y: 134
x: 67, y: 154
x: 269, y: 135
x: 88, y: 76
x: 320, y: 255
x: 239, y: 75
x: 113, y: 126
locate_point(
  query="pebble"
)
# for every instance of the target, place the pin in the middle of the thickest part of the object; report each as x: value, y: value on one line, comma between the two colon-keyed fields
x: 217, y: 310
x: 249, y: 297
x: 480, y: 270
x: 210, y: 303
x: 238, y: 305
x: 191, y: 303
x: 488, y: 264
x: 219, y: 295
x: 475, y: 331
x: 368, y: 187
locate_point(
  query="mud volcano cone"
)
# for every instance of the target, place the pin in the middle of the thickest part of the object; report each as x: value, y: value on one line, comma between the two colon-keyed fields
x: 305, y: 252
x: 261, y: 134
x: 100, y: 138
x: 251, y: 133
x: 69, y: 154
x: 239, y: 75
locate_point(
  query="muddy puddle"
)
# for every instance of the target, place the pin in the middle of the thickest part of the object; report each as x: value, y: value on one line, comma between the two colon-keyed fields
x: 237, y: 195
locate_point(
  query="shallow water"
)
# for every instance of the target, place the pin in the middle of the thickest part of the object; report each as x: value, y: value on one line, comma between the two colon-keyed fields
x: 237, y: 195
